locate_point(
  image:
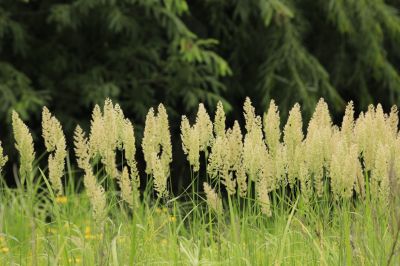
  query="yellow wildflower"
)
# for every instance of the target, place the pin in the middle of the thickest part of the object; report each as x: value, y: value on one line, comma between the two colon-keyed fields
x: 4, y: 250
x: 61, y: 199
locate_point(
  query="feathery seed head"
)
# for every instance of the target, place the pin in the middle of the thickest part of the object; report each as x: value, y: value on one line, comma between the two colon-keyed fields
x: 249, y: 114
x: 343, y: 169
x: 126, y: 187
x: 293, y: 131
x: 205, y: 127
x: 347, y: 128
x: 280, y: 165
x: 81, y: 148
x: 164, y: 137
x: 321, y: 116
x: 51, y: 130
x: 190, y: 143
x: 157, y: 139
x: 306, y: 185
x: 128, y: 141
x: 3, y: 158
x: 219, y: 120
x: 24, y: 145
x: 254, y: 150
x: 235, y: 146
x: 96, y: 195
x: 111, y: 118
x: 55, y: 141
x: 393, y: 120
x: 262, y: 188
x: 272, y: 127
x: 217, y: 161
x: 292, y: 138
x: 372, y: 129
x: 213, y: 200
x: 241, y: 179
x: 318, y: 144
x: 380, y: 174
x: 96, y: 141
x: 160, y: 177
x: 150, y: 142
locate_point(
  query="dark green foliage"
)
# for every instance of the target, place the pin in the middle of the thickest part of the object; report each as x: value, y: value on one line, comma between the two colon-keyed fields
x: 72, y: 54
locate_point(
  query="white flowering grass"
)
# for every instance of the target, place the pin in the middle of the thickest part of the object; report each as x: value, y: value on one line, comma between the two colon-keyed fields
x: 329, y: 197
x: 297, y: 234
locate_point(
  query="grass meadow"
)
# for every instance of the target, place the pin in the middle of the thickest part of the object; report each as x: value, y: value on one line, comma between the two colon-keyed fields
x: 271, y: 195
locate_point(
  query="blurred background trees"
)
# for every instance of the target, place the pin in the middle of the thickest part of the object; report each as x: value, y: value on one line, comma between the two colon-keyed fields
x: 72, y: 54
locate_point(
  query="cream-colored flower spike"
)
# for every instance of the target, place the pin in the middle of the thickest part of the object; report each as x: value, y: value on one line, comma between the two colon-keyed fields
x: 343, y: 169
x: 393, y: 120
x: 250, y: 116
x: 160, y: 177
x: 24, y: 145
x: 94, y: 190
x: 379, y: 184
x: 254, y: 148
x: 262, y: 189
x: 51, y: 130
x: 81, y: 148
x: 306, y: 185
x: 150, y: 141
x: 318, y: 144
x: 272, y: 127
x: 213, y: 200
x: 128, y: 143
x: 164, y: 138
x: 55, y: 141
x: 157, y: 139
x: 241, y: 179
x: 96, y: 141
x: 219, y: 164
x: 205, y: 128
x: 235, y: 146
x: 292, y: 138
x: 274, y: 168
x: 219, y: 120
x: 96, y: 195
x: 372, y: 129
x: 396, y: 160
x: 111, y: 116
x: 347, y: 128
x: 191, y: 143
x: 3, y: 158
x: 128, y: 193
x: 226, y: 157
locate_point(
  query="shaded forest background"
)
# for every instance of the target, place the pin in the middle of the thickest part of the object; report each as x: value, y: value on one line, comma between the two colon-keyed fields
x: 70, y: 55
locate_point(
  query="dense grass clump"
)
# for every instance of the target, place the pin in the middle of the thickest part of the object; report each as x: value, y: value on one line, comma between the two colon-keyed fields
x: 328, y: 197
